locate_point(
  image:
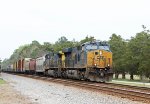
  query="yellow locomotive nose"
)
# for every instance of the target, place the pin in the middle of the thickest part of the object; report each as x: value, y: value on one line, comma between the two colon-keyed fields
x: 99, y: 58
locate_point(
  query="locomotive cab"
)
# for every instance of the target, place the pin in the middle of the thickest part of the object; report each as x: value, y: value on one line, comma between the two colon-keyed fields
x: 99, y: 56
x: 99, y: 61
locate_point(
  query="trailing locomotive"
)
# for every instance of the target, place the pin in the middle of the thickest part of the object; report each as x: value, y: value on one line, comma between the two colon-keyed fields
x: 90, y: 61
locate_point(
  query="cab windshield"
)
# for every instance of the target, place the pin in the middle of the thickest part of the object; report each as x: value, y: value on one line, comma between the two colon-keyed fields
x: 98, y: 45
x: 91, y: 47
x: 104, y: 46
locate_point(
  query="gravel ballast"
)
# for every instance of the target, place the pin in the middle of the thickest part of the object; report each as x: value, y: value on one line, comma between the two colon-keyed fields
x: 43, y: 92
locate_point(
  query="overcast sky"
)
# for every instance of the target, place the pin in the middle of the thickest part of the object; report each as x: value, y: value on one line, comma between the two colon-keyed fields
x: 22, y: 21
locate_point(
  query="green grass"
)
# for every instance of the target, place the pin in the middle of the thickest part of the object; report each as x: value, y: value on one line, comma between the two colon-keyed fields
x: 136, y: 79
x: 127, y: 80
x: 1, y: 81
x: 135, y: 82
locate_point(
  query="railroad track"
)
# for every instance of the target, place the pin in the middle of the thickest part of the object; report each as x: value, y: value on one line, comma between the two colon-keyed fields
x: 131, y: 87
x: 125, y: 91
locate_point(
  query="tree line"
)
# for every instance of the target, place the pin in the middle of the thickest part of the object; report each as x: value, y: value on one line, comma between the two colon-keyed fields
x: 129, y: 56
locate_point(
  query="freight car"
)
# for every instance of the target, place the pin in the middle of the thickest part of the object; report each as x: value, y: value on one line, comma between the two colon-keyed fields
x: 40, y: 65
x: 25, y: 65
x: 32, y: 66
x: 22, y: 65
x: 9, y: 68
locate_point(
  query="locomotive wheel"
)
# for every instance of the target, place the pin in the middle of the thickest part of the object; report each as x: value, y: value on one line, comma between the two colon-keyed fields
x: 102, y: 74
x: 55, y: 74
x: 46, y: 73
x: 102, y: 77
x: 64, y: 74
x: 81, y: 76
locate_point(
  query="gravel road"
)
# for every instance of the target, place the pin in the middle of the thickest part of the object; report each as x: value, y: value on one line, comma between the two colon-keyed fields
x: 42, y: 92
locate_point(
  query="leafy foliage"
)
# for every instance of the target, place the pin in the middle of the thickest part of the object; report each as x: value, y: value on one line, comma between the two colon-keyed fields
x: 139, y: 48
x: 118, y: 47
x: 91, y: 38
x: 131, y: 56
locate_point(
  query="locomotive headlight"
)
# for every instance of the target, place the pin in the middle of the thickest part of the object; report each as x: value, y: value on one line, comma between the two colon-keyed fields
x: 100, y: 53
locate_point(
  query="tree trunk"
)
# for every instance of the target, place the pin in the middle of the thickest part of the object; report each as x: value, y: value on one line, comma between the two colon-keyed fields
x: 116, y: 75
x: 141, y: 77
x: 131, y: 76
x: 123, y: 76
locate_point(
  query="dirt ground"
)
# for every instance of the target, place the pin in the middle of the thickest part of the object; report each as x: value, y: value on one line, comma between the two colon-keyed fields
x: 9, y: 96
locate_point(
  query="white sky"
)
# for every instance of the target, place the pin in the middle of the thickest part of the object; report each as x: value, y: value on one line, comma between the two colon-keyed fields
x: 22, y: 21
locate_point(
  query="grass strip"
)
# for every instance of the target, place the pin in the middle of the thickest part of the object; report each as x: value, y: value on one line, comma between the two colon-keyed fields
x: 1, y: 81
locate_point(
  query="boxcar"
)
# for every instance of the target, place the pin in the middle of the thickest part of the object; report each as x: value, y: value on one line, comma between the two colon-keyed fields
x: 26, y: 65
x: 40, y: 64
x: 19, y: 66
x: 32, y: 66
x: 11, y: 66
x: 14, y: 66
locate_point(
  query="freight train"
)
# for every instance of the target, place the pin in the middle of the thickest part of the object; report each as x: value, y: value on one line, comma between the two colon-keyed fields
x: 90, y: 61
